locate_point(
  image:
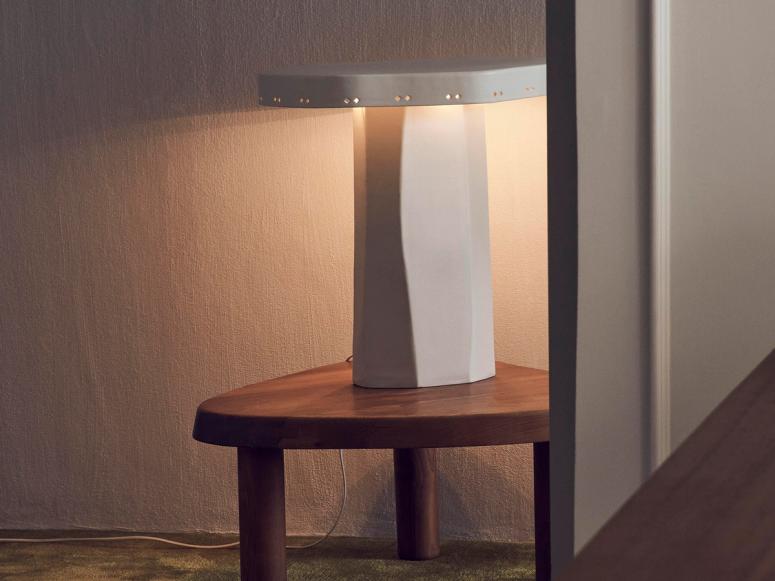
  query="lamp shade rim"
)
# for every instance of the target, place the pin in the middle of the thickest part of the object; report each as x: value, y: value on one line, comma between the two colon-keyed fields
x: 403, y: 83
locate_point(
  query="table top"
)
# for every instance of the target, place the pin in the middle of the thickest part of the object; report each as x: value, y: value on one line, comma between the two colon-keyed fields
x: 709, y: 511
x: 321, y: 408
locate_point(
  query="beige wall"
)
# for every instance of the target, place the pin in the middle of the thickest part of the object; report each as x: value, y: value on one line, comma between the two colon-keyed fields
x: 722, y: 202
x: 164, y: 240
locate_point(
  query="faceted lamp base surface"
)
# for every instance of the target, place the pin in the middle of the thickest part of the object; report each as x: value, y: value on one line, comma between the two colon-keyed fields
x: 423, y: 291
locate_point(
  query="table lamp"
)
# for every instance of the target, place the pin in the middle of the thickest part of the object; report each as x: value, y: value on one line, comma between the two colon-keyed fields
x: 422, y: 289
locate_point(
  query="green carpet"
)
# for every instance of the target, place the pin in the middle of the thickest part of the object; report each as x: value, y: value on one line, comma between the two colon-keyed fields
x: 336, y: 558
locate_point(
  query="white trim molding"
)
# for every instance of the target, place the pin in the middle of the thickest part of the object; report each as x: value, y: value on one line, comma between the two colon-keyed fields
x: 660, y: 232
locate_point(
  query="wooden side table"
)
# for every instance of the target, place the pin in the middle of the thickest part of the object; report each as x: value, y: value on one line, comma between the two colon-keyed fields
x: 322, y: 409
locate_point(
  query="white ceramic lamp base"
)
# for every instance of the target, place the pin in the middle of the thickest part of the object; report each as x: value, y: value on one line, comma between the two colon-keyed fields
x: 423, y: 291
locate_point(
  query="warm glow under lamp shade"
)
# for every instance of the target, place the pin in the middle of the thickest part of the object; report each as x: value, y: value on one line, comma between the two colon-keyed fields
x: 422, y: 286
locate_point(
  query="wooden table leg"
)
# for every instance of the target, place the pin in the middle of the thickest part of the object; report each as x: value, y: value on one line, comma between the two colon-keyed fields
x: 541, y: 509
x: 417, y: 507
x: 261, y: 514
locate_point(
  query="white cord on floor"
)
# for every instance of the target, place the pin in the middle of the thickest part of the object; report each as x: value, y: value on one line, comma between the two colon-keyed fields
x: 121, y: 538
x: 189, y: 545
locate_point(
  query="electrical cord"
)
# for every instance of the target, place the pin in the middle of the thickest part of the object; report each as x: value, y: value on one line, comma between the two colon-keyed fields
x: 190, y: 545
x: 338, y: 515
x: 119, y: 538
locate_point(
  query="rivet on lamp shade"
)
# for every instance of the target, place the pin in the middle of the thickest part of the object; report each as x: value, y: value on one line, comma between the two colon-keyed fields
x: 423, y: 290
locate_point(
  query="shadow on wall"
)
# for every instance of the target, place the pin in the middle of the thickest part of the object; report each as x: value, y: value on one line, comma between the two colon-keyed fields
x: 505, y: 512
x: 77, y: 66
x: 164, y: 239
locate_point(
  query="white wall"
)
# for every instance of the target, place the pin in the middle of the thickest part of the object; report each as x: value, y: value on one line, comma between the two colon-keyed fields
x: 163, y: 240
x: 723, y: 201
x: 612, y: 403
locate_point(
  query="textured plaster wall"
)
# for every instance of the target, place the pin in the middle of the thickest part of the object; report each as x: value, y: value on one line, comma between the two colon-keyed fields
x: 164, y: 240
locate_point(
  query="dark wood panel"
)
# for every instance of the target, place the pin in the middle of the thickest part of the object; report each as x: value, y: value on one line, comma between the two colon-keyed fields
x: 321, y: 408
x: 709, y: 511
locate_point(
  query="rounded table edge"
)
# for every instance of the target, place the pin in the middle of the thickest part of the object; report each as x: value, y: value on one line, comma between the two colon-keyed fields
x: 524, y: 427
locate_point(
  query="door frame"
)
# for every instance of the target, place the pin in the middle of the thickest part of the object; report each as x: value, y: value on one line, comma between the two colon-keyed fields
x: 660, y: 232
